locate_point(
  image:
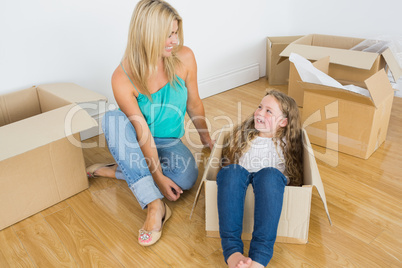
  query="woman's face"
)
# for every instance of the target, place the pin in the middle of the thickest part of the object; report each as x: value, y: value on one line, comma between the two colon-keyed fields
x: 171, y: 41
x: 268, y: 117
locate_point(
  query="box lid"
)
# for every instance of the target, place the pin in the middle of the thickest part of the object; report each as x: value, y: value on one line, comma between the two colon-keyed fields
x: 39, y: 130
x: 342, y: 56
x: 282, y: 39
x: 378, y: 85
x: 72, y: 92
x: 311, y: 174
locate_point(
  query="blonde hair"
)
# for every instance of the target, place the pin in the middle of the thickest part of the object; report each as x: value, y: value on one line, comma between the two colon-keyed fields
x: 150, y: 26
x: 288, y: 137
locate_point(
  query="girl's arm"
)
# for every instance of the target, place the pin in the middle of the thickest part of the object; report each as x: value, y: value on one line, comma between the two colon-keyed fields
x: 195, y: 108
x: 125, y: 96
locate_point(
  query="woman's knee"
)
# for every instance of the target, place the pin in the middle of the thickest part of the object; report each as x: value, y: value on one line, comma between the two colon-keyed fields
x: 112, y: 119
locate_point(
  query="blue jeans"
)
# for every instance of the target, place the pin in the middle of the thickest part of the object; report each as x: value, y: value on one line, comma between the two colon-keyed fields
x: 176, y: 160
x: 269, y: 185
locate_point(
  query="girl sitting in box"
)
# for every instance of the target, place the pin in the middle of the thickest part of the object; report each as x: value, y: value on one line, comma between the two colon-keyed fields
x: 266, y: 151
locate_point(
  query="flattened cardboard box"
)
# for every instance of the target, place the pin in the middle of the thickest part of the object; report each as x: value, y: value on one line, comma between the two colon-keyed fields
x: 41, y: 160
x: 346, y: 66
x: 362, y: 122
x: 278, y: 73
x: 295, y: 217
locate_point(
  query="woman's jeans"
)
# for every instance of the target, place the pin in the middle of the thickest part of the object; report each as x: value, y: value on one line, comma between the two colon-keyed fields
x: 176, y: 160
x: 269, y: 185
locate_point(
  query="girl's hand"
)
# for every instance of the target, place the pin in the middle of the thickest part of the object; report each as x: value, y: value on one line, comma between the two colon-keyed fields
x: 168, y: 188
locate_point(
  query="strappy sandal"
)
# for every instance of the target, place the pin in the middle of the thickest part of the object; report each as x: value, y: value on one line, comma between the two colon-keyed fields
x: 147, y: 238
x: 95, y: 167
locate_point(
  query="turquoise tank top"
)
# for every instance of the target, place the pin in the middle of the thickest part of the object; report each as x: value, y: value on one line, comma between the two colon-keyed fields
x: 165, y: 113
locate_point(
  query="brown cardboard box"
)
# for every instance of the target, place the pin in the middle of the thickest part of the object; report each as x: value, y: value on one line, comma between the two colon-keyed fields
x: 295, y: 217
x: 278, y: 73
x: 41, y: 160
x: 346, y: 66
x: 361, y: 121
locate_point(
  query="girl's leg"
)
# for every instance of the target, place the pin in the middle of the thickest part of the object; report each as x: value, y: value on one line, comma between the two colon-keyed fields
x: 177, y: 162
x: 123, y: 145
x: 232, y: 182
x: 269, y: 185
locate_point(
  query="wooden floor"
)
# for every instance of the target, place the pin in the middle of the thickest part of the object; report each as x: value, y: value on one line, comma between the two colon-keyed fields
x: 99, y: 227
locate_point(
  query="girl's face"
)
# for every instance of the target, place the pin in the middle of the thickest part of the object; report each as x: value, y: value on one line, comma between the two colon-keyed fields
x: 268, y: 117
x: 171, y: 41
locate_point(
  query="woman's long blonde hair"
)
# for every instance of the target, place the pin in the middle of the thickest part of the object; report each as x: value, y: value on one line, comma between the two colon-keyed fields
x: 150, y: 26
x: 288, y: 137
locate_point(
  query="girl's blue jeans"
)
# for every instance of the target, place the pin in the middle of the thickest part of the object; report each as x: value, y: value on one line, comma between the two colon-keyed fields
x: 176, y: 160
x: 269, y: 185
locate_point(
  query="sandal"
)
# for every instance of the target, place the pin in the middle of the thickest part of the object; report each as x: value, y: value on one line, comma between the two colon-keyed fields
x: 147, y: 238
x: 95, y: 167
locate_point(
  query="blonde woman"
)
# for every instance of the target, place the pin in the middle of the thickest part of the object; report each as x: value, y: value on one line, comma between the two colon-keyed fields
x: 154, y: 85
x: 266, y: 152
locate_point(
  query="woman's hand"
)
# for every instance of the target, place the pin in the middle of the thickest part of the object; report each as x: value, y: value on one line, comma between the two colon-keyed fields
x: 208, y: 142
x: 168, y: 188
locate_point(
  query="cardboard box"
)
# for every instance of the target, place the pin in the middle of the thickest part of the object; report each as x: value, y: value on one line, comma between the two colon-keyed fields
x: 41, y: 160
x: 362, y: 121
x: 295, y: 90
x: 346, y: 66
x: 278, y: 73
x: 295, y: 217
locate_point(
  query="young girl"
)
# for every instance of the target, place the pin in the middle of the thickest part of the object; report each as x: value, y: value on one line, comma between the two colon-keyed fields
x: 266, y: 151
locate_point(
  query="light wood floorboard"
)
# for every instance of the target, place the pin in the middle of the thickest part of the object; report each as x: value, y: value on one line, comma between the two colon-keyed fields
x: 99, y: 226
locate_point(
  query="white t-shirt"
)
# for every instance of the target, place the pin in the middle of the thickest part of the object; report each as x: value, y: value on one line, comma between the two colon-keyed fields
x: 261, y: 154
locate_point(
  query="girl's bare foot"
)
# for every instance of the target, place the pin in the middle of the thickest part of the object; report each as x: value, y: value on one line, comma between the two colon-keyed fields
x: 238, y: 260
x: 156, y: 211
x: 256, y: 265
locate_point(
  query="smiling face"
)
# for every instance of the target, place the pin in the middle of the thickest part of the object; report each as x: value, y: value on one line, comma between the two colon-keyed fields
x: 268, y: 117
x: 171, y: 41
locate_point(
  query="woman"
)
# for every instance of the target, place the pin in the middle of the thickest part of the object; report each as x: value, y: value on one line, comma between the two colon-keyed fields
x: 154, y: 85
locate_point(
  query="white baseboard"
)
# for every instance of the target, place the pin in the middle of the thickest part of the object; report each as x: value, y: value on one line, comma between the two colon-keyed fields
x: 220, y: 83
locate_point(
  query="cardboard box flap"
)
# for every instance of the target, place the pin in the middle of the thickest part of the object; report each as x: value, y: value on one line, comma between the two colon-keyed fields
x: 337, y: 93
x: 357, y: 59
x: 312, y: 175
x: 19, y: 105
x: 379, y: 87
x: 283, y: 39
x: 393, y: 64
x: 215, y: 158
x: 49, y: 127
x: 72, y: 92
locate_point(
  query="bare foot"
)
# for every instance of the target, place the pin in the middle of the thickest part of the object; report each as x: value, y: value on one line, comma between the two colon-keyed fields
x: 108, y: 172
x: 156, y: 211
x: 237, y: 260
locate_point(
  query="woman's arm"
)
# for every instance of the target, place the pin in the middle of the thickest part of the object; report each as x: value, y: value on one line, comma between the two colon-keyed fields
x: 125, y: 96
x: 195, y: 107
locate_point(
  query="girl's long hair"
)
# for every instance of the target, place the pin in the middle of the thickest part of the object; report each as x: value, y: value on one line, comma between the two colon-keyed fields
x: 150, y: 26
x: 289, y: 139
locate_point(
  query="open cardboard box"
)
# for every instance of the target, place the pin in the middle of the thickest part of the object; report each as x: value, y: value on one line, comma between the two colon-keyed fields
x: 278, y: 73
x: 346, y: 66
x: 41, y: 160
x: 295, y: 217
x: 361, y: 121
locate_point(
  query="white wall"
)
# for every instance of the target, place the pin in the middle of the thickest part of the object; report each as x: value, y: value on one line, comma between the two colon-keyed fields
x: 82, y: 41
